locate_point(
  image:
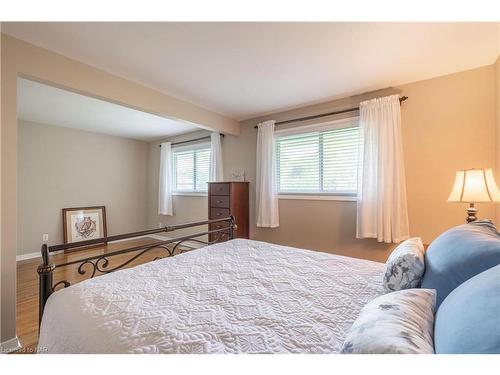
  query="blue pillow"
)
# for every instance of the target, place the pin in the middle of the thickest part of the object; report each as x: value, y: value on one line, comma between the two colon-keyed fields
x: 459, y: 254
x: 468, y: 320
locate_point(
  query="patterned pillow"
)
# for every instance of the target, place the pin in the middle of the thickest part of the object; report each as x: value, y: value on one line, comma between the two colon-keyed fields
x: 405, y: 267
x: 395, y: 323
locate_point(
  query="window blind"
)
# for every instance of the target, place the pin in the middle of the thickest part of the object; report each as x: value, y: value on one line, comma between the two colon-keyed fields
x: 191, y: 170
x: 318, y: 162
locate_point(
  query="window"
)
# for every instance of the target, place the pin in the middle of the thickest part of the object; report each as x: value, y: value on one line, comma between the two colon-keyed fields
x: 191, y: 169
x: 319, y: 161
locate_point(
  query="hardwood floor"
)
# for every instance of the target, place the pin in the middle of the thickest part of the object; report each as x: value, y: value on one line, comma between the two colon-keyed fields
x: 27, y: 283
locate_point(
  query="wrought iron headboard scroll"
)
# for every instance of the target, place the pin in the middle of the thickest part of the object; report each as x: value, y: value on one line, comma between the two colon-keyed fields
x: 99, y: 263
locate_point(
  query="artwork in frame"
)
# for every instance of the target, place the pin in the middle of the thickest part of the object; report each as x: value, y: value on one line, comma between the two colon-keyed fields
x: 238, y: 175
x: 83, y: 224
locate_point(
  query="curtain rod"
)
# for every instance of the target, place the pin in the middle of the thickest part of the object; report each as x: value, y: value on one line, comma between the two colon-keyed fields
x: 402, y: 99
x: 191, y: 140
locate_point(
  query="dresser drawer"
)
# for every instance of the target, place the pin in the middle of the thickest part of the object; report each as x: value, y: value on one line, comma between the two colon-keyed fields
x: 221, y: 201
x: 225, y: 199
x: 219, y: 189
x: 219, y: 213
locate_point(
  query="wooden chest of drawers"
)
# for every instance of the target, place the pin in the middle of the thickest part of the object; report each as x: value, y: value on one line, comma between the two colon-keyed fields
x: 229, y: 198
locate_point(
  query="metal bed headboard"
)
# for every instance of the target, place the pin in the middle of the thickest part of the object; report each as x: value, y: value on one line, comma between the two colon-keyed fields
x: 99, y: 263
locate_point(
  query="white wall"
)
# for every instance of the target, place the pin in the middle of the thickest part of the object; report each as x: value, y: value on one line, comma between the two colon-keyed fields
x: 61, y: 167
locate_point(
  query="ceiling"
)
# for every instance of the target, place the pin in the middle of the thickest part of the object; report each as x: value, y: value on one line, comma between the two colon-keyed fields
x: 242, y: 70
x: 49, y: 105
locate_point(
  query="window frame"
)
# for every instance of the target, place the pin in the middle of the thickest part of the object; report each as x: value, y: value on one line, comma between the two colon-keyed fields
x: 189, y: 147
x: 344, y: 123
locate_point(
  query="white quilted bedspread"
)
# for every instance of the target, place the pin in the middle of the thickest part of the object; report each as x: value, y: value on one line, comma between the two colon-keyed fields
x: 239, y: 296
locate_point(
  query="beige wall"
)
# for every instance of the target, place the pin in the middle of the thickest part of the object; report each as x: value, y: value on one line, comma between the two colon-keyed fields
x: 448, y: 124
x: 60, y: 167
x: 1, y: 120
x: 497, y: 107
x: 25, y: 60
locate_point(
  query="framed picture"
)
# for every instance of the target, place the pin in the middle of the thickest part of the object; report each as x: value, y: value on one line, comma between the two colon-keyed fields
x: 83, y: 224
x: 238, y: 175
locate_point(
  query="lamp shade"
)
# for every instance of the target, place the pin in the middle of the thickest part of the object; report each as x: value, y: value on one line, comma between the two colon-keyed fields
x: 474, y: 185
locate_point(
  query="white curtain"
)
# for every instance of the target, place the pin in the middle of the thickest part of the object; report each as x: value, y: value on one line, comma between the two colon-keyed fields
x: 216, y: 166
x: 381, y: 209
x: 165, y: 182
x: 266, y: 195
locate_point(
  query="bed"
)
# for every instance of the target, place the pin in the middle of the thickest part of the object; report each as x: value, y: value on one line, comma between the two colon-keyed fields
x: 239, y: 296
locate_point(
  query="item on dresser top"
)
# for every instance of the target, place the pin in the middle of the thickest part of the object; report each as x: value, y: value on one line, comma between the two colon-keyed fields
x: 400, y: 322
x: 405, y: 266
x: 459, y: 254
x: 238, y: 175
x: 468, y: 320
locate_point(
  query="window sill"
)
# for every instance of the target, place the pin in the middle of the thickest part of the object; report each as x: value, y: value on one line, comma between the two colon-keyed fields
x: 319, y: 197
x: 191, y: 194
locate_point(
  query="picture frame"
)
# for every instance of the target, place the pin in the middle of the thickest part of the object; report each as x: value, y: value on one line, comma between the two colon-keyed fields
x: 238, y: 175
x: 83, y: 224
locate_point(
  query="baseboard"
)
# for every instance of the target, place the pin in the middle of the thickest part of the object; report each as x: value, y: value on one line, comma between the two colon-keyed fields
x: 34, y: 255
x: 10, y: 346
x: 28, y: 256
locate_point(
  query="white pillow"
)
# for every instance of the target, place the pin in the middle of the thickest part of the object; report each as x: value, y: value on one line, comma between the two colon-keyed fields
x: 401, y: 322
x: 405, y: 267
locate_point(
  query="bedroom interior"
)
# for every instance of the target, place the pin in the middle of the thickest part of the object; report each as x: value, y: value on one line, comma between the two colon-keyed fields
x: 182, y: 203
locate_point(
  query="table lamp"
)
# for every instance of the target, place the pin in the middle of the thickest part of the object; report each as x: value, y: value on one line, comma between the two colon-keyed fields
x: 474, y: 186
